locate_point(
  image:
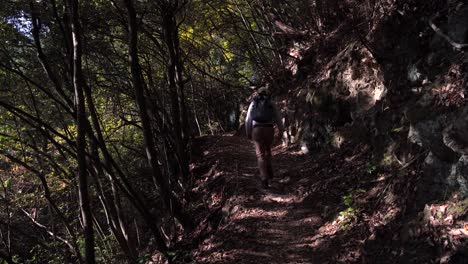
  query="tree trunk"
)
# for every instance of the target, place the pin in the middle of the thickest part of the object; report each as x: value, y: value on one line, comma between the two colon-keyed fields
x: 112, y: 209
x: 176, y: 86
x: 170, y: 200
x: 81, y: 136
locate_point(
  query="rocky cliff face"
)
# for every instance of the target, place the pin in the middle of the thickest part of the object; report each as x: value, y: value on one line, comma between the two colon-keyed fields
x: 400, y: 86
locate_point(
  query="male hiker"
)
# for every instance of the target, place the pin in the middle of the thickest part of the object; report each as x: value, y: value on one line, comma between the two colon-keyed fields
x: 261, y: 117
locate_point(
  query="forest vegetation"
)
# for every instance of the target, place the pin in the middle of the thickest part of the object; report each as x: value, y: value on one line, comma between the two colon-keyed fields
x: 122, y: 137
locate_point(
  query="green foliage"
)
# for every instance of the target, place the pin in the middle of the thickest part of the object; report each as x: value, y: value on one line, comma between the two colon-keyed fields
x: 172, y: 255
x: 143, y: 259
x: 398, y: 129
x: 6, y: 183
x: 38, y: 255
x: 371, y: 168
x: 224, y: 47
x: 350, y: 213
x: 459, y: 207
x: 387, y: 159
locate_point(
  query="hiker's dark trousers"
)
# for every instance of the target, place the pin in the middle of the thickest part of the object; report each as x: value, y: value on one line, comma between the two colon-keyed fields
x: 263, y: 138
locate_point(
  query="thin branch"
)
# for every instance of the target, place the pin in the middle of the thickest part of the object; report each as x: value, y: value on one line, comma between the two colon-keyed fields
x: 438, y: 31
x: 52, y: 234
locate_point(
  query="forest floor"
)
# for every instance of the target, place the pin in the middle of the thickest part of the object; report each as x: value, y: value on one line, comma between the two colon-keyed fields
x: 332, y: 207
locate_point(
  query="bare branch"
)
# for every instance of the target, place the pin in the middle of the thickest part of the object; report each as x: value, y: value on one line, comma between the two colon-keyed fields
x: 438, y: 31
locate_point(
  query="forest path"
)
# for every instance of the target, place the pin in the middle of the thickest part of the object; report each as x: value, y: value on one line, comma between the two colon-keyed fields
x: 291, y: 222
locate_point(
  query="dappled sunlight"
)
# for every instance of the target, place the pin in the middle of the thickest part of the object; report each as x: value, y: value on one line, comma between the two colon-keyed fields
x: 209, y: 245
x: 311, y: 213
x: 314, y: 132
x: 380, y: 219
x: 311, y: 220
x: 260, y: 213
x: 282, y: 199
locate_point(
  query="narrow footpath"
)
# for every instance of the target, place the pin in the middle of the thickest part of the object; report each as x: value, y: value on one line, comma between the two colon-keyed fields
x: 297, y: 220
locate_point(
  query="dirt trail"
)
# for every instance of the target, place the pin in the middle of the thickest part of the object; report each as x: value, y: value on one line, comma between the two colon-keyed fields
x: 289, y: 223
x: 333, y: 207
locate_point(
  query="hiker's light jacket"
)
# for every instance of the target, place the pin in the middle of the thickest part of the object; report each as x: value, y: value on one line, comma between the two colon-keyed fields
x: 250, y: 124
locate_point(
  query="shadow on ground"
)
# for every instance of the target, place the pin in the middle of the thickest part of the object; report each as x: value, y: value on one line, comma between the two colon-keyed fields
x: 327, y: 208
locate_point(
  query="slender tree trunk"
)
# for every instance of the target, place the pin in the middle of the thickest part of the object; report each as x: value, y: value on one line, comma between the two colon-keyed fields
x: 132, y: 195
x: 176, y: 85
x: 109, y: 163
x: 112, y: 209
x: 195, y: 115
x: 169, y: 199
x: 180, y: 81
x: 81, y: 136
x: 45, y: 63
x: 117, y: 223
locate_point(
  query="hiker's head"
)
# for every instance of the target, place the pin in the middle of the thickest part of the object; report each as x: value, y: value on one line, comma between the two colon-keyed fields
x: 263, y: 91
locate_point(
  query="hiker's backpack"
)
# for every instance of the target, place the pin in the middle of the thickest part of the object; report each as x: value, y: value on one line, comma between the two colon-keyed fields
x: 262, y: 110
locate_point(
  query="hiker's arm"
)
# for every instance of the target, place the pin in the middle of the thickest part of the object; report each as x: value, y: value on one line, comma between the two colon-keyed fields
x: 248, y: 122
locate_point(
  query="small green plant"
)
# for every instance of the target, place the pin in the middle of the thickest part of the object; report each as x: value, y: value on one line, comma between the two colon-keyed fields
x: 371, y: 168
x: 387, y: 160
x: 143, y: 259
x: 459, y: 207
x: 174, y: 255
x: 397, y: 129
x: 351, y: 211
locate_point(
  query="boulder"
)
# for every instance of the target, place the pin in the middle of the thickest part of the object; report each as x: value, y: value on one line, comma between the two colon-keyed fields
x: 428, y: 134
x: 427, y: 126
x: 435, y: 182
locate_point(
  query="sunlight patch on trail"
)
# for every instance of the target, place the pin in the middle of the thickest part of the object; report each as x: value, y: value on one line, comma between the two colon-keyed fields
x: 311, y: 220
x: 283, y: 199
x: 260, y: 213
